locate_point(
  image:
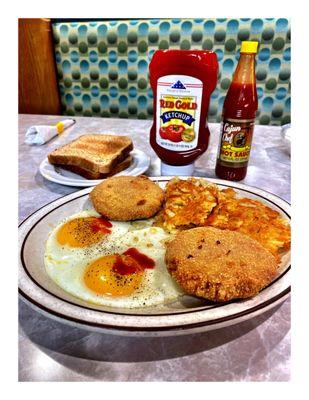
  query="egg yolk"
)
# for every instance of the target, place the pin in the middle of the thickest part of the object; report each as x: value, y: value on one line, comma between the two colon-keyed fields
x: 102, y: 278
x: 83, y: 232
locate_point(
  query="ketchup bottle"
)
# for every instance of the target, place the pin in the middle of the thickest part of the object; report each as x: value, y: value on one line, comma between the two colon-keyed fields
x: 238, y: 116
x: 182, y: 82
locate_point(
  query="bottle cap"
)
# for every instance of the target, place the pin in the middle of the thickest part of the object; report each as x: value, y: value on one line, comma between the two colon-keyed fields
x: 174, y: 170
x: 249, y: 47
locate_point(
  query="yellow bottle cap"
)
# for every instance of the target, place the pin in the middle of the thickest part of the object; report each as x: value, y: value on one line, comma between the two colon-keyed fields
x: 249, y: 47
x: 60, y: 127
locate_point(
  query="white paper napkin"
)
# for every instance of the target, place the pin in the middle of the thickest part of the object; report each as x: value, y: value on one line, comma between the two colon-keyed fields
x: 40, y: 134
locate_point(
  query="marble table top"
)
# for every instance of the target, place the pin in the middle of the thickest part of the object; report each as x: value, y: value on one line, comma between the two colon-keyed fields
x: 255, y: 350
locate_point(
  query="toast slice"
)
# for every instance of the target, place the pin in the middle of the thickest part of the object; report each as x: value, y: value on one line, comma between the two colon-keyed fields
x: 96, y: 175
x: 96, y: 153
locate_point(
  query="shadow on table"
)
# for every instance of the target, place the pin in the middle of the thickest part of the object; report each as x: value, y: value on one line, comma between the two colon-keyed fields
x: 54, y: 187
x: 59, y: 340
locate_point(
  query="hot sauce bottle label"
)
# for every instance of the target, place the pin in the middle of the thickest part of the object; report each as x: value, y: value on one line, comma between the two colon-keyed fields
x: 179, y: 100
x: 236, y: 139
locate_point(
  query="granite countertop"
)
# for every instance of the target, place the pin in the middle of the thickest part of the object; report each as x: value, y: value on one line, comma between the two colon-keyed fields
x: 255, y: 350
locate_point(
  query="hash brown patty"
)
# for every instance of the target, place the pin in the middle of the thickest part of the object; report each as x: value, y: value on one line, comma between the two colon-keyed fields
x: 188, y: 203
x: 127, y: 198
x: 219, y: 265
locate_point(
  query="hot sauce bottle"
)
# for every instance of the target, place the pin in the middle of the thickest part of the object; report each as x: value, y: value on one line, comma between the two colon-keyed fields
x: 238, y: 116
x: 182, y: 82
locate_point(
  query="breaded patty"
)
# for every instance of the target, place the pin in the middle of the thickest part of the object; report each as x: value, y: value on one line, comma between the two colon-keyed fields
x: 127, y: 198
x: 219, y: 265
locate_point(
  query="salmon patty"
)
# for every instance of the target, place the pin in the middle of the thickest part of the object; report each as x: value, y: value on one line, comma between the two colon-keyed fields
x: 219, y: 265
x: 127, y: 198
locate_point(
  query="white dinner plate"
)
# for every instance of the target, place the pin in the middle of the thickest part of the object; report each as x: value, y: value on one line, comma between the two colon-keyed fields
x: 186, y: 315
x: 140, y: 164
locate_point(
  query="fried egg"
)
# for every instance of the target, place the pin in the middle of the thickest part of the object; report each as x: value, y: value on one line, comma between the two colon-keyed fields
x: 110, y: 263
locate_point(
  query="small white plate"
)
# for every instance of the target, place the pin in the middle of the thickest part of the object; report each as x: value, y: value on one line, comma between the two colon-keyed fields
x: 140, y: 164
x: 186, y: 315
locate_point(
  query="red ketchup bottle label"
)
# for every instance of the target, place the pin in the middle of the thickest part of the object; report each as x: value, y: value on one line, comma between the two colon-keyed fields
x: 178, y: 105
x: 236, y: 139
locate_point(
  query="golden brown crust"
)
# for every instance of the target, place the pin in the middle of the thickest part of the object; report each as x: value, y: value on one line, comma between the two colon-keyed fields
x: 252, y: 218
x: 195, y: 202
x: 97, y: 175
x: 188, y: 203
x: 219, y: 265
x: 94, y: 152
x: 126, y: 198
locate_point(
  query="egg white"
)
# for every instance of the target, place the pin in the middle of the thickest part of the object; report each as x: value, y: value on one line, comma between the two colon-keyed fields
x: 63, y: 253
x: 66, y: 266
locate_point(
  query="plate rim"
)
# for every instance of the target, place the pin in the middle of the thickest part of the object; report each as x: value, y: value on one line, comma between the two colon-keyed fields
x: 83, y: 182
x: 232, y: 318
x: 213, y: 324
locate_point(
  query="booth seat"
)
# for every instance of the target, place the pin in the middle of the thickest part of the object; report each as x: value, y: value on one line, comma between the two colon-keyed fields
x: 102, y: 66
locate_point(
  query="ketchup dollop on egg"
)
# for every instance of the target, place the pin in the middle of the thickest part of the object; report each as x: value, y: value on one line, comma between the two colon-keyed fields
x: 117, y: 274
x: 83, y: 232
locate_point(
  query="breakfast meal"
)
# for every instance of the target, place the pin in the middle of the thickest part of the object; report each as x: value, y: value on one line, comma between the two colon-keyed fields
x: 142, y: 246
x: 94, y: 156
